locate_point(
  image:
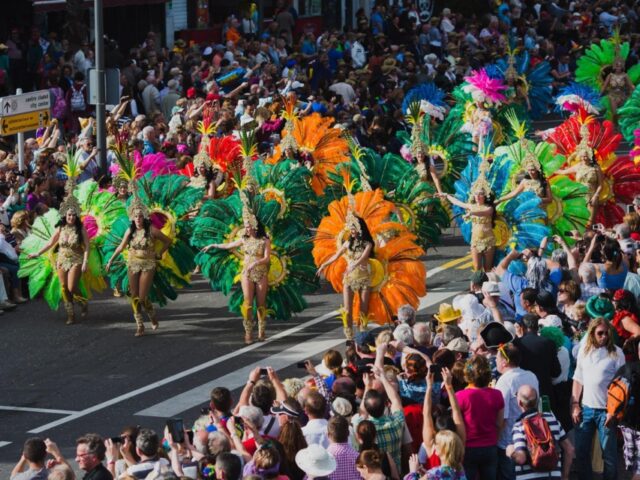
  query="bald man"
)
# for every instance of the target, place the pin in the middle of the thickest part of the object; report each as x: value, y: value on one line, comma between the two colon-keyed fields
x: 528, y: 403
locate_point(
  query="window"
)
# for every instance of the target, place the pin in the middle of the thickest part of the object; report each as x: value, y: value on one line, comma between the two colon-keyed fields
x: 309, y: 8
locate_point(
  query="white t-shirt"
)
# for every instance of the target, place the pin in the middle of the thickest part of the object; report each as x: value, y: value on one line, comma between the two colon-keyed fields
x: 508, y: 384
x: 565, y: 364
x: 594, y: 371
x: 315, y: 432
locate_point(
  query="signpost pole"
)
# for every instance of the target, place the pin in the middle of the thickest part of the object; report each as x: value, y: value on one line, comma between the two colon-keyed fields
x: 101, y: 140
x: 20, y: 143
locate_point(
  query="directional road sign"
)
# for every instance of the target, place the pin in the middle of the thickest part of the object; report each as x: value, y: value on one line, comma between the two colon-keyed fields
x: 24, y: 122
x: 25, y: 103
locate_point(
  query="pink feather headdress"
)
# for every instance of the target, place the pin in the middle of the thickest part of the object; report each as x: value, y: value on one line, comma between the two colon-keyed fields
x: 484, y: 88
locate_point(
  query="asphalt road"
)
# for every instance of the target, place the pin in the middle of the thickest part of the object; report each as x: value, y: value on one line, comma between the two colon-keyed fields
x: 61, y: 381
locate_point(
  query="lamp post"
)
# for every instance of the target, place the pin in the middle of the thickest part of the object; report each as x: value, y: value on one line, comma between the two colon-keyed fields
x: 101, y: 137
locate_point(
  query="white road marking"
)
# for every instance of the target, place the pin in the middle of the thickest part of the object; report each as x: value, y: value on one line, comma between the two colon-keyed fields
x: 180, y: 375
x: 430, y: 299
x: 4, y: 444
x: 199, y: 395
x: 37, y: 410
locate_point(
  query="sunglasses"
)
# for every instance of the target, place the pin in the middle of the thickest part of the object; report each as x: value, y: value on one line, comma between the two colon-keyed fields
x: 562, y: 290
x: 602, y: 333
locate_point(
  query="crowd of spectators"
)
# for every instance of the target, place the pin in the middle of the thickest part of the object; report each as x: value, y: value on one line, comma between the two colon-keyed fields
x: 444, y: 399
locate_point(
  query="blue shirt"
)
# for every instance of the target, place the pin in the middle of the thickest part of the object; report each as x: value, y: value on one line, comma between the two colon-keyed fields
x: 148, y: 148
x: 515, y: 284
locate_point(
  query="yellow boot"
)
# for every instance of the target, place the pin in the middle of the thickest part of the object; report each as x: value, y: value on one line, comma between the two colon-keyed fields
x: 347, y: 326
x: 247, y: 322
x: 151, y: 312
x: 262, y: 323
x: 84, y: 304
x: 137, y: 315
x: 364, y: 321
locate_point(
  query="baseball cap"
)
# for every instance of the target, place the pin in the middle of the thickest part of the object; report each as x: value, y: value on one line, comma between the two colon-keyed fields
x: 491, y: 288
x: 341, y: 406
x: 458, y: 345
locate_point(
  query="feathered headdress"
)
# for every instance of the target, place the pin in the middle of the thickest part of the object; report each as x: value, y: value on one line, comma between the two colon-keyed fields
x: 128, y: 172
x: 481, y: 185
x: 248, y: 217
x: 483, y: 88
x: 584, y: 147
x: 72, y: 171
x: 414, y: 118
x: 288, y: 141
x: 530, y: 161
x: 356, y: 153
x: 205, y: 128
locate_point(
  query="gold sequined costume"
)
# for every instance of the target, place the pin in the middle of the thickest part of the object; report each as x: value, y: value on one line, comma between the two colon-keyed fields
x: 587, y: 175
x: 533, y: 185
x: 617, y: 90
x: 142, y: 255
x: 482, y: 236
x: 360, y: 277
x: 253, y: 249
x: 70, y: 251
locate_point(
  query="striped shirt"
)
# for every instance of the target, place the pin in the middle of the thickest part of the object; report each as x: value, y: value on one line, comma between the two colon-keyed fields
x: 525, y: 472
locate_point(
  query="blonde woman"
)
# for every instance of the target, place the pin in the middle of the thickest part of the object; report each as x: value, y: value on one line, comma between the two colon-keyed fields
x: 450, y: 451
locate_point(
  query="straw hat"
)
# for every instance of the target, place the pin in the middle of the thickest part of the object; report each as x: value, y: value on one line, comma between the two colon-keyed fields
x: 446, y: 313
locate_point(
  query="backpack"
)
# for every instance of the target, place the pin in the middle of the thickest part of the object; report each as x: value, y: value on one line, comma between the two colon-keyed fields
x: 540, y: 443
x: 623, y: 396
x: 77, y: 99
x: 59, y: 105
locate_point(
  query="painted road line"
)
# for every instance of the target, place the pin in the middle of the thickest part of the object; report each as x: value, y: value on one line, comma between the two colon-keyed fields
x: 215, y: 361
x: 448, y: 265
x: 465, y: 266
x: 37, y: 410
x: 180, y: 375
x: 199, y: 395
x: 4, y: 444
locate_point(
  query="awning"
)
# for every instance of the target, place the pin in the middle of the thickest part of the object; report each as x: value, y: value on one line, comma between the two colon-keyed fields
x: 59, y: 5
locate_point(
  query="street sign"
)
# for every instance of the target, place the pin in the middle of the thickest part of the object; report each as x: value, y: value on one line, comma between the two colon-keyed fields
x: 25, y: 103
x: 24, y: 122
x: 111, y: 86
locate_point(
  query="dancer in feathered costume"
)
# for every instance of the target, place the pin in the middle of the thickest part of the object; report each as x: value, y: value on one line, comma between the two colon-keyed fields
x: 590, y: 146
x: 146, y: 254
x: 256, y: 250
x: 424, y: 163
x: 485, y: 93
x: 76, y: 263
x: 526, y: 85
x: 602, y: 66
x: 481, y: 214
x: 375, y: 279
x: 444, y: 144
x: 314, y: 143
x: 520, y: 223
x: 209, y: 169
x: 534, y: 164
x: 241, y: 226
